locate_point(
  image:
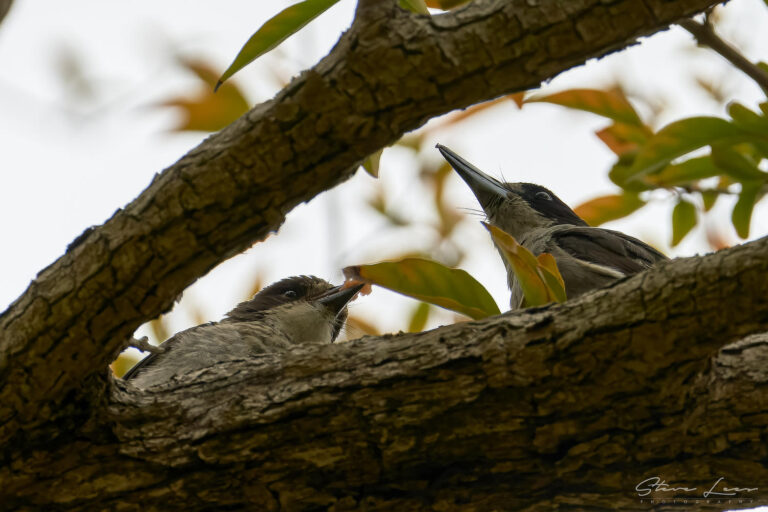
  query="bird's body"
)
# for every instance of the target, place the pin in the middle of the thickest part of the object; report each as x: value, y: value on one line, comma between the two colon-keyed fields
x: 296, y: 310
x: 587, y: 257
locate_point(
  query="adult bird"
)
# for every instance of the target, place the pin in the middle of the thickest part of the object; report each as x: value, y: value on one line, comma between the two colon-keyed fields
x: 587, y: 257
x: 295, y: 310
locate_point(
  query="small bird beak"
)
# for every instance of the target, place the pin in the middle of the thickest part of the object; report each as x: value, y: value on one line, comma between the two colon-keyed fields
x: 337, y: 297
x: 485, y: 188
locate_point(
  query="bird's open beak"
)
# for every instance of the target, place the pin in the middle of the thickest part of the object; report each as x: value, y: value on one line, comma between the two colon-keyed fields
x: 485, y: 188
x: 337, y: 297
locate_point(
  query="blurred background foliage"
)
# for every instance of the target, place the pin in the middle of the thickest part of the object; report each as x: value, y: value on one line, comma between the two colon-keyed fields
x: 688, y: 164
x: 691, y: 162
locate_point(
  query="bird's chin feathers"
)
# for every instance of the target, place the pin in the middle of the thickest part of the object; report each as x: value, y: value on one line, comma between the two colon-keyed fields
x: 514, y: 217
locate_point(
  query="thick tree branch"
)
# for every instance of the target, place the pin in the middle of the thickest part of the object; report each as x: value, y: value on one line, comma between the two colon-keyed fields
x: 388, y: 74
x: 569, y: 404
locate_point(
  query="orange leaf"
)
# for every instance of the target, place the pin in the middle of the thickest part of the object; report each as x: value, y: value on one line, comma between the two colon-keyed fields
x: 622, y: 138
x: 539, y: 278
x: 607, y: 208
x: 611, y: 103
x: 206, y: 111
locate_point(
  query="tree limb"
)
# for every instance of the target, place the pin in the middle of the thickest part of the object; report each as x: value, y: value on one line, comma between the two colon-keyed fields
x: 571, y: 404
x: 389, y: 74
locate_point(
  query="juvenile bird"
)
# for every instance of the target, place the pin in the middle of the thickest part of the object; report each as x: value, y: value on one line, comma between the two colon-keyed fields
x: 295, y: 310
x: 587, y: 257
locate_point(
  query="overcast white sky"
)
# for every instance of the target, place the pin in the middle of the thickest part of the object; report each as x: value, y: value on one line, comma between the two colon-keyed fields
x: 67, y: 163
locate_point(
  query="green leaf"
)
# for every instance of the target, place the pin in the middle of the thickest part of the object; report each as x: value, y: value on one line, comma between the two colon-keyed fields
x: 611, y: 103
x: 619, y: 173
x: 551, y: 274
x: 709, y: 197
x: 417, y: 6
x: 419, y: 317
x: 682, y: 137
x: 430, y: 282
x: 371, y: 164
x: 539, y: 278
x: 607, y: 208
x: 683, y: 220
x: 204, y: 110
x: 742, y: 212
x: 736, y: 164
x: 276, y: 30
x: 691, y: 170
x: 747, y: 119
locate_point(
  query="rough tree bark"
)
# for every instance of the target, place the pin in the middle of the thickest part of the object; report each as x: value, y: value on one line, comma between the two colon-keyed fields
x: 565, y: 405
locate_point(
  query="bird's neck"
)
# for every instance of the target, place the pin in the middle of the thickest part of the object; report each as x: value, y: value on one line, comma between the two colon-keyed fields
x: 305, y: 323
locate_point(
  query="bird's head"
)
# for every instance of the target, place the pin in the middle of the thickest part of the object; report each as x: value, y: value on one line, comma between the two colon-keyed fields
x: 306, y: 307
x: 514, y: 207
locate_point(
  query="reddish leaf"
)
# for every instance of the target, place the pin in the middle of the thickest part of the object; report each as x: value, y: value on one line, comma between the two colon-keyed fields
x: 206, y: 111
x: 623, y: 138
x: 475, y: 109
x: 518, y: 98
x: 611, y: 103
x: 539, y: 278
x: 607, y: 208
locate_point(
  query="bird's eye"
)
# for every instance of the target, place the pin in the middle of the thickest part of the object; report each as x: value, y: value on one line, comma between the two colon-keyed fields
x: 543, y: 196
x: 290, y: 294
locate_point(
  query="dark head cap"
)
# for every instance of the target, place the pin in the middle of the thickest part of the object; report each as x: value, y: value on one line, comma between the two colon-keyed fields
x: 547, y: 203
x: 295, y: 289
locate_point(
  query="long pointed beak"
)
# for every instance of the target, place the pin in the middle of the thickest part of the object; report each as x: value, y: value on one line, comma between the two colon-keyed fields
x: 485, y: 188
x: 336, y: 298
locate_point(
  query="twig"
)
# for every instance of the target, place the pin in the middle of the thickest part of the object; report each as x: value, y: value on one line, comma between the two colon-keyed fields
x: 706, y: 36
x: 144, y: 345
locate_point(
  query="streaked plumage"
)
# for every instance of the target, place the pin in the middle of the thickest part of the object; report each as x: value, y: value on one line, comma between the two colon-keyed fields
x: 295, y: 310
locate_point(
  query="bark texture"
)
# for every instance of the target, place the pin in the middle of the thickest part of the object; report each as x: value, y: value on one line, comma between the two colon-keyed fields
x: 549, y: 408
x: 377, y: 423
